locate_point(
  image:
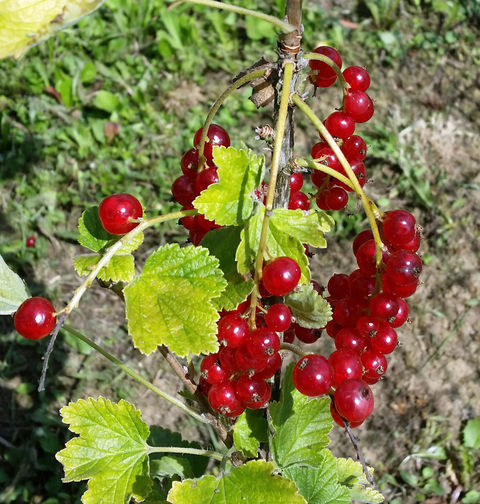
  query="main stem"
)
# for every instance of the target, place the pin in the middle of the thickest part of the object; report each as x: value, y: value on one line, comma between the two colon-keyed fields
x: 280, y: 131
x: 182, y: 451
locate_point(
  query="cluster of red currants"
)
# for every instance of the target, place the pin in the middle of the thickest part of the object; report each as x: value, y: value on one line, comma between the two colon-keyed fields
x: 193, y: 181
x: 364, y: 319
x: 235, y: 377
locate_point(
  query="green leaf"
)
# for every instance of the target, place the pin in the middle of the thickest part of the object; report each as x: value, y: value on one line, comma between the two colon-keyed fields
x: 170, y: 302
x: 222, y: 243
x: 12, y: 289
x: 258, y: 29
x: 94, y: 237
x: 351, y: 475
x: 252, y: 483
x: 229, y: 201
x: 279, y: 243
x: 309, y: 308
x: 472, y: 497
x: 107, y: 101
x: 301, y: 426
x: 25, y: 23
x: 120, y: 268
x: 110, y: 451
x: 319, y: 484
x: 186, y: 466
x: 89, y: 72
x: 471, y: 433
x: 249, y: 431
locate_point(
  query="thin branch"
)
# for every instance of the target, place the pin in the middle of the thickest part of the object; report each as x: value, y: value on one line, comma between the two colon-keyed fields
x: 360, y: 456
x: 46, y: 356
x: 293, y: 348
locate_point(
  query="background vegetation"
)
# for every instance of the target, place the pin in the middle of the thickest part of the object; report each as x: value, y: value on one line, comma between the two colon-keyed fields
x: 111, y: 104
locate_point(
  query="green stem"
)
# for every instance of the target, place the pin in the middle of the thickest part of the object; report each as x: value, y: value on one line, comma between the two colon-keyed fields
x: 133, y: 374
x: 285, y: 27
x: 325, y: 169
x: 183, y: 450
x: 215, y: 107
x: 279, y: 134
x: 370, y: 209
x: 293, y: 348
x: 144, y: 224
x: 332, y: 64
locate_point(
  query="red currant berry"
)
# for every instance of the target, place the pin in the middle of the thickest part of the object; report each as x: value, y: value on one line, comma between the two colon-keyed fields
x: 253, y: 392
x: 368, y: 326
x: 354, y: 400
x: 385, y: 339
x: 245, y: 362
x: 339, y: 286
x: 289, y: 334
x: 354, y: 147
x: 359, y: 105
x: 227, y: 358
x: 223, y: 398
x: 278, y: 317
x: 336, y: 198
x: 263, y: 343
x: 366, y: 257
x: 374, y: 363
x: 115, y: 213
x: 383, y: 306
x: 189, y: 162
x: 216, y: 135
x: 281, y: 275
x: 360, y: 239
x: 399, y: 227
x: 183, y: 190
x: 273, y: 364
x: 412, y: 246
x: 332, y: 328
x: 296, y: 182
x: 298, y: 200
x: 324, y: 72
x: 402, y: 314
x: 35, y: 318
x: 350, y: 339
x: 338, y: 419
x: 197, y: 235
x: 324, y: 155
x: 403, y: 268
x: 312, y: 375
x: 345, y: 312
x: 211, y: 371
x: 205, y: 178
x: 357, y: 77
x: 307, y: 335
x: 362, y: 286
x: 402, y: 291
x: 340, y: 124
x: 30, y: 242
x: 232, y: 330
x: 345, y: 365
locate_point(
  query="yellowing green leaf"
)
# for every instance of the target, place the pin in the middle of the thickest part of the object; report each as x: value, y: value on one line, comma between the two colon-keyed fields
x: 120, y: 268
x: 319, y: 484
x: 12, y: 289
x: 279, y: 243
x: 251, y: 483
x: 229, y: 201
x: 110, y: 451
x: 222, y: 243
x: 309, y: 308
x: 301, y: 426
x: 170, y: 302
x: 249, y: 431
x: 351, y: 475
x: 24, y: 23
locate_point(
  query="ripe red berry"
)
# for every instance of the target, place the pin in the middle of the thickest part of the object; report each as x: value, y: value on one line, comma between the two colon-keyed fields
x: 115, y: 213
x: 339, y: 286
x: 232, y: 330
x: 383, y: 306
x: 253, y: 392
x: 345, y: 365
x: 35, y: 318
x: 325, y: 75
x: 281, y: 275
x: 359, y: 105
x: 223, y: 398
x: 366, y: 257
x: 245, y: 362
x: 357, y: 77
x: 278, y: 317
x: 340, y: 124
x: 374, y: 363
x: 273, y: 364
x: 354, y: 147
x: 312, y: 375
x: 296, y: 182
x: 338, y: 419
x: 307, y: 335
x: 336, y: 198
x: 360, y: 239
x: 367, y: 326
x: 402, y: 314
x: 216, y: 135
x: 350, y: 339
x: 183, y: 190
x: 298, y: 200
x: 399, y: 227
x: 263, y: 343
x: 403, y: 268
x: 401, y: 291
x: 332, y: 328
x: 30, y: 241
x: 384, y: 340
x: 345, y: 312
x: 211, y: 370
x: 323, y: 153
x: 354, y: 400
x: 189, y: 162
x: 206, y: 178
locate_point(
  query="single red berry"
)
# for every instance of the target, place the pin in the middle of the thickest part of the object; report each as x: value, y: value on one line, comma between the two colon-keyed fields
x: 340, y: 124
x: 223, y: 398
x: 360, y: 239
x: 183, y: 190
x: 324, y: 72
x: 196, y: 235
x: 30, y: 242
x: 383, y: 306
x: 359, y: 105
x: 189, y: 162
x: 272, y: 365
x: 216, y: 135
x: 306, y: 335
x: 401, y: 315
x: 354, y: 147
x: 245, y: 362
x: 289, y: 334
x: 227, y: 358
x: 374, y: 363
x: 253, y: 392
x: 345, y: 312
x: 206, y: 178
x: 345, y: 365
x: 332, y: 328
x: 403, y: 268
x: 298, y: 200
x: 263, y: 343
x: 354, y: 400
x: 368, y: 326
x: 350, y: 339
x: 362, y: 287
x: 366, y: 257
x: 211, y: 370
x: 35, y: 318
x: 338, y: 419
x: 116, y: 211
x: 412, y: 246
x: 312, y: 375
x: 281, y: 275
x: 339, y: 286
x: 357, y: 77
x: 402, y: 291
x: 324, y: 155
x: 385, y: 339
x: 232, y: 330
x: 278, y: 317
x: 296, y: 182
x: 399, y: 227
x: 336, y: 198
x: 203, y: 223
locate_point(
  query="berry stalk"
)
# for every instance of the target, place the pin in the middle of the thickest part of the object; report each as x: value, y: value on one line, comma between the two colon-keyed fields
x: 325, y: 169
x: 183, y: 450
x: 280, y: 132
